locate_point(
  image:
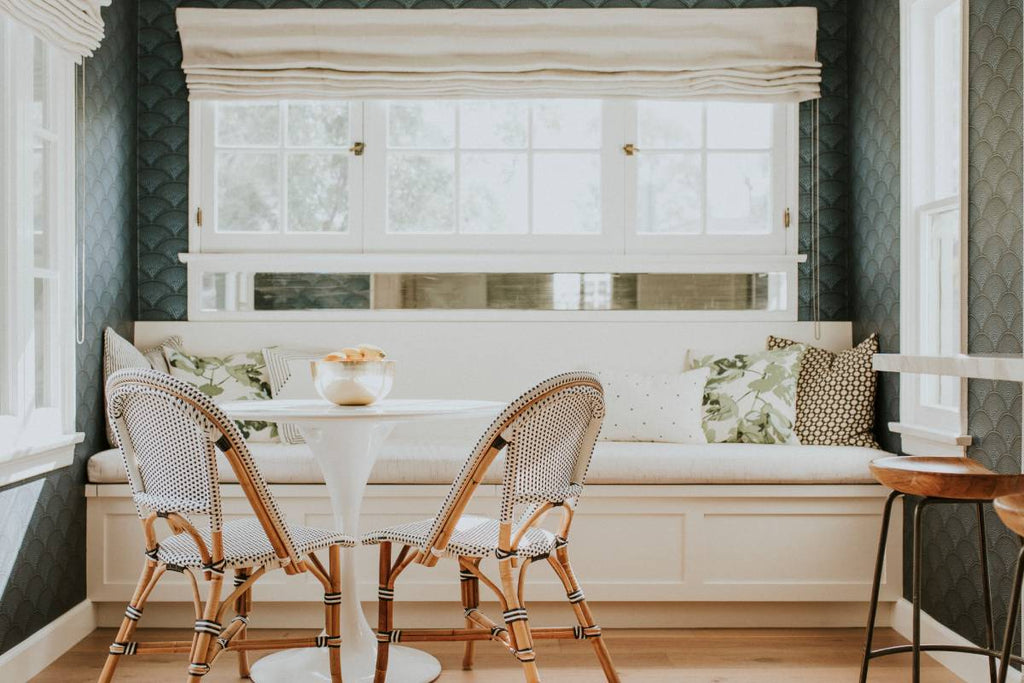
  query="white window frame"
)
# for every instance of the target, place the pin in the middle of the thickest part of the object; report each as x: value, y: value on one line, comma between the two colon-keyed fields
x: 927, y: 429
x: 34, y: 441
x: 616, y: 249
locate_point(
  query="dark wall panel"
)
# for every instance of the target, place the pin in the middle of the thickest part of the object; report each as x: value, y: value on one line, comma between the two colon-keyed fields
x: 163, y: 142
x: 42, y: 535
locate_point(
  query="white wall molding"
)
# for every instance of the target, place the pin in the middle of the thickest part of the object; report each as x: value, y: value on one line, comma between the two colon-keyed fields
x: 967, y: 667
x: 42, y: 648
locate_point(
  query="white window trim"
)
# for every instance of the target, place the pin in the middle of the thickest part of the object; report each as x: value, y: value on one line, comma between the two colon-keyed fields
x: 29, y: 450
x: 927, y: 430
x: 616, y: 250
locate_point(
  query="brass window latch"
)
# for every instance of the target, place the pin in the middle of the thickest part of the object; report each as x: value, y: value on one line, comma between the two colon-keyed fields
x: 358, y: 148
x: 786, y: 218
x: 199, y: 217
x: 629, y: 149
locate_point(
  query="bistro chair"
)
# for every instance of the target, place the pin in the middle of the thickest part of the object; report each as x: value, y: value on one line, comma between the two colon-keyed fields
x: 548, y: 436
x: 935, y: 480
x: 168, y: 433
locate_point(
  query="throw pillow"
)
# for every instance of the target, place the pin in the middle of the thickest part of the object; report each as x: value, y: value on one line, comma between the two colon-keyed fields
x: 121, y: 354
x: 663, y: 407
x: 236, y: 377
x: 751, y: 397
x: 290, y: 377
x: 835, y: 396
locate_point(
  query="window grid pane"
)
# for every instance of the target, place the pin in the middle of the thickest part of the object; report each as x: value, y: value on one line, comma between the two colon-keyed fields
x: 498, y: 151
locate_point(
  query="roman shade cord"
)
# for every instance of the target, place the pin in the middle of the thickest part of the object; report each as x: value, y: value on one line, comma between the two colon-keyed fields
x: 764, y: 54
x: 74, y: 26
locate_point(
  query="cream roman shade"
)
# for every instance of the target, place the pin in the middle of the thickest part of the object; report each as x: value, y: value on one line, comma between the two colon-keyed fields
x: 764, y: 54
x: 72, y: 25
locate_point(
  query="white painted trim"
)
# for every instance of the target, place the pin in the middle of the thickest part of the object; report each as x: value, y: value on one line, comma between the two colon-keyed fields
x: 925, y: 440
x: 967, y: 667
x: 35, y: 462
x: 1006, y: 367
x: 42, y: 648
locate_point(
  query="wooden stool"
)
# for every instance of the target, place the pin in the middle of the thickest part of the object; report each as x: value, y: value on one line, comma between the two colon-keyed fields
x: 1011, y: 510
x: 935, y: 480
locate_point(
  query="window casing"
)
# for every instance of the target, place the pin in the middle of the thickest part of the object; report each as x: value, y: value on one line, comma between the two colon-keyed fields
x: 574, y: 180
x: 37, y: 236
x: 933, y: 234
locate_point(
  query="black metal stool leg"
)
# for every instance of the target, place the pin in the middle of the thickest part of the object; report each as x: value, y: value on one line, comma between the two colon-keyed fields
x: 883, y: 538
x: 986, y: 591
x: 1012, y: 613
x: 918, y: 556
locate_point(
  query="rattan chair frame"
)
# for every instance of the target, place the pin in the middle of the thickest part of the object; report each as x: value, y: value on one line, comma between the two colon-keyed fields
x: 515, y: 634
x: 210, y: 640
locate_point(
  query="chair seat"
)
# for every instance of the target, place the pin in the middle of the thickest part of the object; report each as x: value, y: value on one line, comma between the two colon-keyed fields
x: 247, y: 545
x: 1011, y: 510
x: 474, y: 536
x: 944, y: 477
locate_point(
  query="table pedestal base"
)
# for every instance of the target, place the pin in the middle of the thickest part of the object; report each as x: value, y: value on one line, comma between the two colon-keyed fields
x: 405, y: 665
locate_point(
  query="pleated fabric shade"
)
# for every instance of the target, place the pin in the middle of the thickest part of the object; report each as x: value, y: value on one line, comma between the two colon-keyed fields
x: 72, y: 25
x: 747, y: 54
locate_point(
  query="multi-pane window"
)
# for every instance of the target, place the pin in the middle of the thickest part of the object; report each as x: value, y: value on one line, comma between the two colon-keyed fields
x: 36, y: 243
x: 559, y: 175
x: 933, y: 287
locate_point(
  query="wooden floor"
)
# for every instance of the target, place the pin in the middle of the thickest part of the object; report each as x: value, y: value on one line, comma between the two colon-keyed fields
x: 676, y: 656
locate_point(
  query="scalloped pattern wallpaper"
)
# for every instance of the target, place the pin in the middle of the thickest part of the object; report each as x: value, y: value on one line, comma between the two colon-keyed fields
x: 952, y: 587
x: 42, y: 522
x: 163, y: 141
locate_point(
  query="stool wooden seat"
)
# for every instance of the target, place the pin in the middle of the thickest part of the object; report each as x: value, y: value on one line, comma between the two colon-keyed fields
x: 933, y: 480
x: 944, y: 477
x: 1010, y: 509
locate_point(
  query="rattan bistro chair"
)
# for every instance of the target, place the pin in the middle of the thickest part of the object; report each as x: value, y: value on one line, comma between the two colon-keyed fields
x: 548, y: 435
x: 168, y: 433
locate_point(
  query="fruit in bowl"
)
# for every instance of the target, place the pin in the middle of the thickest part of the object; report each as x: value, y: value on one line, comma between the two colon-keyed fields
x: 355, y: 376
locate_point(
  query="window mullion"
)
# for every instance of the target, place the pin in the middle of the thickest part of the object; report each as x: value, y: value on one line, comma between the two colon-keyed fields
x: 282, y: 165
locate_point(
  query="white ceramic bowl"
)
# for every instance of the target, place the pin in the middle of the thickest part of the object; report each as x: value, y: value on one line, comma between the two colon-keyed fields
x: 353, y: 383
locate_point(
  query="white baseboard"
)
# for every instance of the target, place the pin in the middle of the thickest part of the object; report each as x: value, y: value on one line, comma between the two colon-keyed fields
x: 608, y: 614
x: 42, y: 648
x: 967, y: 667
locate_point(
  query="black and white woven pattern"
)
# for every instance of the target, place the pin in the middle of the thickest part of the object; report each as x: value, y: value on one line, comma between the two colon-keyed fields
x: 549, y: 433
x: 279, y: 372
x: 246, y: 544
x: 167, y: 430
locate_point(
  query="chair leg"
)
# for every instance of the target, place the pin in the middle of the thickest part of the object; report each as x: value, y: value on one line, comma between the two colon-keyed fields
x: 205, y: 631
x: 588, y: 627
x: 384, y: 614
x: 986, y: 591
x: 147, y: 579
x: 518, y: 623
x: 876, y: 583
x: 917, y: 574
x: 1012, y: 614
x: 470, y: 600
x: 242, y: 606
x: 334, y: 614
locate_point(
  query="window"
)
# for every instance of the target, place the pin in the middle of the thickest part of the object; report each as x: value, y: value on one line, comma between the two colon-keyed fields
x: 933, y: 286
x: 599, y: 186
x: 37, y: 354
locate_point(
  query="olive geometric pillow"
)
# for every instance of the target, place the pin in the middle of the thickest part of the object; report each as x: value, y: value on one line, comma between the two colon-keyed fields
x: 835, y: 395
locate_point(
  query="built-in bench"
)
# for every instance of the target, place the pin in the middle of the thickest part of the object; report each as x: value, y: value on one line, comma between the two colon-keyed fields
x: 745, y: 534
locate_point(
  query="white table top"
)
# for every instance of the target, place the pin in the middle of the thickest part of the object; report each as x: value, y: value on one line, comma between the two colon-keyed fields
x: 302, y: 410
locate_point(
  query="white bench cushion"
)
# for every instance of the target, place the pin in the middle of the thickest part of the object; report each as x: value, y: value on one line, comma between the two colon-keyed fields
x: 407, y: 461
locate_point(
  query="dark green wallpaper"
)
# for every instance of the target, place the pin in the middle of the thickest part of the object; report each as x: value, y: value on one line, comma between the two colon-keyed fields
x: 42, y: 534
x: 163, y: 141
x: 995, y: 198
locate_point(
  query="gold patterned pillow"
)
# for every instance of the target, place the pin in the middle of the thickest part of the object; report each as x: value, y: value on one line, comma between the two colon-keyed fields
x: 835, y: 395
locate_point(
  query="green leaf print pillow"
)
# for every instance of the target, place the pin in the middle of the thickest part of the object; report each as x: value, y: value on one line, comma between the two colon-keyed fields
x: 238, y: 377
x: 751, y: 397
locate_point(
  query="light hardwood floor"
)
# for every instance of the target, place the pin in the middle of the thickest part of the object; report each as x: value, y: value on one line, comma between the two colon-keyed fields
x: 676, y: 656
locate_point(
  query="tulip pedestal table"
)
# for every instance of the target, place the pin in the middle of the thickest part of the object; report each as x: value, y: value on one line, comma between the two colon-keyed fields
x: 346, y: 441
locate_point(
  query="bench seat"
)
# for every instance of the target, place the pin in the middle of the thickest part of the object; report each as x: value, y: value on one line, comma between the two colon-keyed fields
x: 413, y: 461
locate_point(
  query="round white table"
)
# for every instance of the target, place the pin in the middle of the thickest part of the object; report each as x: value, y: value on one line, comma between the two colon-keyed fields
x: 346, y: 441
